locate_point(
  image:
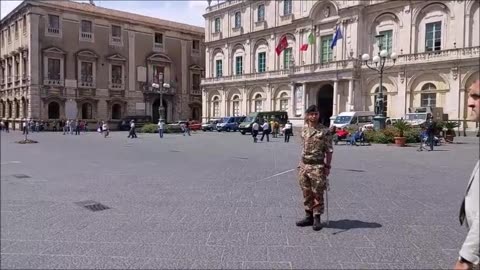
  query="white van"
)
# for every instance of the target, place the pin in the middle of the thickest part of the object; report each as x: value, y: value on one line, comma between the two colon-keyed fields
x: 353, y: 119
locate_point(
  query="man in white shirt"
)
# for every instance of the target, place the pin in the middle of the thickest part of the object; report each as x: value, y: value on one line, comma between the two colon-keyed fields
x: 132, y: 133
x: 288, y: 131
x: 266, y: 131
x: 160, y: 127
x: 469, y: 211
x: 255, y: 128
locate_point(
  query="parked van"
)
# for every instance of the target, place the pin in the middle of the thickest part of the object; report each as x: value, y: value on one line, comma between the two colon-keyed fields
x: 230, y: 123
x: 353, y: 119
x: 246, y: 125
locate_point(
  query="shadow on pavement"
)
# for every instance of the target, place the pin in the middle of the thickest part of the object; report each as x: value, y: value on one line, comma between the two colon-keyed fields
x: 348, y: 224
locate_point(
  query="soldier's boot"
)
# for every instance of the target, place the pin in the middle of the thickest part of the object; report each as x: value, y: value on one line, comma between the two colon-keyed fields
x: 307, y: 220
x: 317, y: 225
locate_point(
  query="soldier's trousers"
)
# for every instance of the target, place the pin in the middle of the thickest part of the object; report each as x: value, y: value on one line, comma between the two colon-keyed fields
x: 313, y: 182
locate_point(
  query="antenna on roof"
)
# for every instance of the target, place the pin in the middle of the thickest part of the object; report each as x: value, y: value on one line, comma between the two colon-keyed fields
x: 92, y: 3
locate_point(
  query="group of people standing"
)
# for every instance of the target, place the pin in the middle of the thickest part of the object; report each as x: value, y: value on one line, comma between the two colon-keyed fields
x: 272, y: 127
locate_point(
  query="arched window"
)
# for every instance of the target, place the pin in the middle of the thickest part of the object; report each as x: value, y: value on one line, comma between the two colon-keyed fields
x: 236, y: 105
x: 2, y: 109
x: 258, y: 103
x: 9, y: 112
x: 116, y: 111
x: 384, y: 101
x: 429, y: 95
x: 53, y: 110
x: 216, y: 107
x: 87, y: 111
x: 284, y: 102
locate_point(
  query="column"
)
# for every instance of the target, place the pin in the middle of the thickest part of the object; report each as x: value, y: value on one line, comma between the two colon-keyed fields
x: 335, y: 99
x: 14, y: 110
x: 350, y: 95
x: 304, y: 99
x: 244, y: 102
x: 268, y: 103
x: 291, y: 105
x: 21, y: 110
x: 185, y: 72
x: 131, y: 61
x: 204, y: 105
x: 223, y: 104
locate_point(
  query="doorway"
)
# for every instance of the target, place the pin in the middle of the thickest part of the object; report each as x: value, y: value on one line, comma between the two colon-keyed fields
x: 156, y: 113
x: 325, y: 104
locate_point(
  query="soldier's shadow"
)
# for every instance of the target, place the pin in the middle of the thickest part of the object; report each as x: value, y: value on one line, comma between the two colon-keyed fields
x: 347, y: 224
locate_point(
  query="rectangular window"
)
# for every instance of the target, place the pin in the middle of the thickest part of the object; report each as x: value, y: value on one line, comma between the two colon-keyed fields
x: 158, y: 72
x: 53, y: 22
x: 429, y: 100
x: 262, y: 57
x: 433, y: 36
x: 261, y: 13
x: 86, y: 72
x: 24, y: 67
x: 16, y: 30
x: 239, y: 65
x: 86, y: 26
x: 287, y: 58
x: 117, y: 74
x: 326, y: 53
x: 9, y: 38
x: 238, y: 19
x: 218, y: 67
x: 24, y: 24
x: 53, y: 69
x: 387, y: 40
x: 17, y: 68
x: 116, y: 31
x: 196, y: 45
x: 196, y: 82
x: 158, y: 38
x: 287, y: 7
x: 217, y: 25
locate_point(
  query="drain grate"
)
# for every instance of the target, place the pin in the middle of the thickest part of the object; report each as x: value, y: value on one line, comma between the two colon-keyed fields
x: 93, y: 206
x: 21, y: 176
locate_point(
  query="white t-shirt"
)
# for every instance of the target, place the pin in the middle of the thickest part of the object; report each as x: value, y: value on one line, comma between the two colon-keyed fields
x: 104, y: 127
x: 288, y: 126
x: 160, y: 125
x: 255, y: 126
x: 265, y: 126
x: 132, y: 125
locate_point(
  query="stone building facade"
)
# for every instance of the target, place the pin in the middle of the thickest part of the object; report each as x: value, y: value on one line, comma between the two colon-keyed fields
x: 62, y: 59
x: 437, y: 43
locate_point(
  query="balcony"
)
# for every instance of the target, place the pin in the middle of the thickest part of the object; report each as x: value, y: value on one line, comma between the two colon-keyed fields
x: 53, y: 82
x: 86, y: 36
x: 158, y: 47
x: 52, y: 30
x: 116, y: 85
x: 286, y: 19
x: 45, y: 92
x: 150, y: 90
x: 439, y: 56
x: 196, y: 92
x: 116, y: 40
x: 260, y: 25
x: 223, y: 5
x: 86, y: 81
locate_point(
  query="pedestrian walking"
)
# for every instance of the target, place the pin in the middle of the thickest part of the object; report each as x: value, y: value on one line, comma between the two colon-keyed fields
x: 25, y: 127
x: 105, y: 129
x: 7, y: 128
x: 314, y: 167
x: 266, y: 131
x: 469, y: 211
x: 287, y: 131
x: 132, y: 134
x: 161, y: 125
x: 255, y: 128
x: 187, y: 129
x: 77, y: 127
x: 431, y: 128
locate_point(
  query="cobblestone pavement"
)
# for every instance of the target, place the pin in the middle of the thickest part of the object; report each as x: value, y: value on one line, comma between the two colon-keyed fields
x: 217, y: 200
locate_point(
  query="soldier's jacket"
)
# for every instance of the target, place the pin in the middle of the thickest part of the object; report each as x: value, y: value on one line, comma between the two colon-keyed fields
x: 316, y: 142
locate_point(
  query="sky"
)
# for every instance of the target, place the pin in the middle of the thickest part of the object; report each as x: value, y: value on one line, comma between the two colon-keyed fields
x: 189, y: 12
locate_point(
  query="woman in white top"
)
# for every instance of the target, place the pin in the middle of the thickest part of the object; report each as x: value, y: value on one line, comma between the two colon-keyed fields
x: 105, y: 128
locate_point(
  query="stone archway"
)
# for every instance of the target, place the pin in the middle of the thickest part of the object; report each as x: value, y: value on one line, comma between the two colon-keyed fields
x: 325, y: 103
x: 53, y: 110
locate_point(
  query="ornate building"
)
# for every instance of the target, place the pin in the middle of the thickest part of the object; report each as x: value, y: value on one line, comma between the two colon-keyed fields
x: 62, y: 59
x: 437, y: 43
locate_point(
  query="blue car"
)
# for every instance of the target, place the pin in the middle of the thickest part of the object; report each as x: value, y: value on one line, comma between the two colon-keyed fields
x: 229, y: 123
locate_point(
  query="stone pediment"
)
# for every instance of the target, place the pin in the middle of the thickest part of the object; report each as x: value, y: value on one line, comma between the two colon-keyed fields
x: 87, y: 54
x: 54, y: 50
x: 195, y: 67
x: 116, y: 57
x: 159, y: 57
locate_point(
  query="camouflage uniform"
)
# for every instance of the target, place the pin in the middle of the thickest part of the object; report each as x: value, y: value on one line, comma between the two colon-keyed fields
x: 317, y: 141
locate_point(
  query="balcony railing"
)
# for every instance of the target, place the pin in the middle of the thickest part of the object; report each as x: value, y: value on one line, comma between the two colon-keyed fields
x: 116, y: 85
x: 158, y: 46
x: 116, y: 40
x: 196, y: 92
x: 116, y: 93
x: 86, y: 81
x: 53, y: 81
x: 53, y: 30
x: 86, y: 36
x: 45, y: 92
x: 409, y: 59
x: 223, y: 5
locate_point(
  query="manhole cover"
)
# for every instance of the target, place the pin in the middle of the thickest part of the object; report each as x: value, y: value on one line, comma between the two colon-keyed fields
x: 93, y: 206
x: 20, y: 176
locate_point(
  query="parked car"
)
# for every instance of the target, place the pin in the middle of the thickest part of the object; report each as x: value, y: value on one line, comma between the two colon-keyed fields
x: 353, y: 119
x: 210, y: 125
x: 230, y: 123
x: 176, y: 127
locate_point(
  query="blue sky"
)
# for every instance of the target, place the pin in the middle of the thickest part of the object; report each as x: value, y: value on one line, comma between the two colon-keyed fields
x: 189, y: 12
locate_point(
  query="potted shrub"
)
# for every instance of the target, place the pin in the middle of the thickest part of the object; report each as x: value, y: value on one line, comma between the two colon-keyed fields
x: 401, y: 126
x: 450, y: 133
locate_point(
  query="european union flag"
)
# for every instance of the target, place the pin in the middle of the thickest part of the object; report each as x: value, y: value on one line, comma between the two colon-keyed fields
x: 337, y: 36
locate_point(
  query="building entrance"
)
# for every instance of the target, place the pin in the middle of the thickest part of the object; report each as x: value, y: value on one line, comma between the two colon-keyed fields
x: 325, y: 104
x: 156, y: 113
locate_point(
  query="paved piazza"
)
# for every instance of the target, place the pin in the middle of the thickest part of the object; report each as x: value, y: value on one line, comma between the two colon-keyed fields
x: 216, y: 200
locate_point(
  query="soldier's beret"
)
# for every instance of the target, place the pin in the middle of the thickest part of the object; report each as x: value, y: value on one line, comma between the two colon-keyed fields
x: 312, y: 109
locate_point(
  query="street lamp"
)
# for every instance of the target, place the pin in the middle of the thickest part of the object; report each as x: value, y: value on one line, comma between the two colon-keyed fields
x: 161, y: 91
x: 378, y: 64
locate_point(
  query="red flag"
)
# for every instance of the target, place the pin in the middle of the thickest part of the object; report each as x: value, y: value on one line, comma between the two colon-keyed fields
x: 304, y: 47
x: 282, y: 45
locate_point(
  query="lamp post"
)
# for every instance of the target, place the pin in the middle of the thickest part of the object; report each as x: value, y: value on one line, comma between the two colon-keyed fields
x: 161, y: 90
x: 378, y: 64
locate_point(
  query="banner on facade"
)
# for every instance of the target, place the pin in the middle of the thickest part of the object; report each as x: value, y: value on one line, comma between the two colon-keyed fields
x: 71, y: 109
x: 298, y: 100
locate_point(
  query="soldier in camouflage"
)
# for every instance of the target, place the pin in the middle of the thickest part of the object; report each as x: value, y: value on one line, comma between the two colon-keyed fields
x: 314, y: 167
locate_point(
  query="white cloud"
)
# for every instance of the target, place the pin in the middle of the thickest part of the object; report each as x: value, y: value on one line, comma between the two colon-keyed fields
x: 7, y: 6
x: 198, y: 4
